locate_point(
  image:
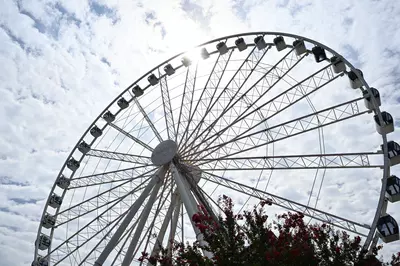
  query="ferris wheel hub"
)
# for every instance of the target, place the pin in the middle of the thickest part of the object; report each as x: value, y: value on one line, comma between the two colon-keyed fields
x: 164, y: 152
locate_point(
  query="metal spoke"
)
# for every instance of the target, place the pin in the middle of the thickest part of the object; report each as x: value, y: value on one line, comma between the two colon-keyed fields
x: 138, y: 141
x: 168, y: 115
x: 187, y: 102
x: 312, y: 161
x: 146, y: 117
x: 108, y: 177
x: 282, y: 101
x: 290, y: 205
x: 124, y: 157
x: 231, y: 89
x: 213, y: 82
x: 98, y: 201
x: 319, y: 119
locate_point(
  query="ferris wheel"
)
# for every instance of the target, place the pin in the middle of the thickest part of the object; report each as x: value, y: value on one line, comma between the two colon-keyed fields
x: 253, y: 116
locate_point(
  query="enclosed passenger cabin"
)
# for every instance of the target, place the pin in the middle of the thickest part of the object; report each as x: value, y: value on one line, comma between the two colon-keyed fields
x: 48, y: 221
x: 43, y: 242
x: 152, y: 79
x: 83, y: 147
x: 279, y: 43
x: 299, y: 47
x: 63, y: 182
x: 204, y: 53
x: 388, y: 125
x: 394, y: 152
x: 260, y: 42
x: 319, y: 54
x: 109, y: 117
x: 73, y: 164
x: 393, y: 189
x: 40, y: 261
x: 137, y: 91
x: 355, y: 82
x: 368, y: 101
x: 338, y: 65
x: 222, y: 48
x: 241, y: 44
x: 186, y: 61
x: 122, y: 103
x: 388, y: 229
x: 169, y: 70
x: 96, y: 132
x: 55, y: 201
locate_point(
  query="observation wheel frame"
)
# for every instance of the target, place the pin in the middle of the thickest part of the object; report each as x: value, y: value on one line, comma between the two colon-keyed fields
x: 371, y: 238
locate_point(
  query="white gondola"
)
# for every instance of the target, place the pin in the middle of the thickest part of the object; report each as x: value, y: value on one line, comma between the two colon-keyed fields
x: 338, y: 65
x: 63, y: 182
x: 260, y: 42
x: 48, y: 221
x: 122, y: 103
x: 319, y: 54
x: 393, y: 189
x: 137, y: 91
x: 169, y: 70
x: 109, y: 117
x: 280, y: 43
x: 96, y: 132
x: 43, y: 242
x: 241, y: 44
x: 152, y: 79
x: 222, y: 48
x: 83, y: 147
x: 368, y: 101
x: 55, y: 201
x: 388, y: 229
x: 204, y: 53
x: 73, y: 164
x: 40, y: 261
x: 299, y: 47
x: 394, y: 152
x: 186, y: 61
x: 388, y: 125
x: 355, y: 82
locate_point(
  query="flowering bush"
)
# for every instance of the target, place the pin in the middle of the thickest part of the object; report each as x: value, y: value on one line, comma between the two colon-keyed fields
x: 257, y: 241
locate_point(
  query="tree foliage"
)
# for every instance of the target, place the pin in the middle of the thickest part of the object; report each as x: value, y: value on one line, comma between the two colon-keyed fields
x: 252, y: 238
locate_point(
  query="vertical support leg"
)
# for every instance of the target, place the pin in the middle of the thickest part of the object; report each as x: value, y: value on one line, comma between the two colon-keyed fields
x: 143, y: 218
x: 128, y: 218
x: 190, y: 204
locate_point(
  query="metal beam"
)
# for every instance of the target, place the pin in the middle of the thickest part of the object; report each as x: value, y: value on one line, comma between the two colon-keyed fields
x: 317, y: 214
x: 311, y: 161
x: 127, y: 134
x: 123, y: 157
x: 146, y: 117
x: 168, y: 115
x: 109, y: 177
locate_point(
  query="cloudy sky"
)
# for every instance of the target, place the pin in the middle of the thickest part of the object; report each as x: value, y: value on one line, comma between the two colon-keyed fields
x: 62, y: 62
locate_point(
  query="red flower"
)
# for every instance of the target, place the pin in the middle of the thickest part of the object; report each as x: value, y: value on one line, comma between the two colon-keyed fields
x: 196, y: 218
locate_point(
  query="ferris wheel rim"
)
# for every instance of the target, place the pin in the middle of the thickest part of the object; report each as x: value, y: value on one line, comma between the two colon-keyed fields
x: 381, y: 203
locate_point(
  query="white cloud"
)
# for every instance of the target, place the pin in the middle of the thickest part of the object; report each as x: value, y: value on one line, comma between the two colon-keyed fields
x: 64, y: 61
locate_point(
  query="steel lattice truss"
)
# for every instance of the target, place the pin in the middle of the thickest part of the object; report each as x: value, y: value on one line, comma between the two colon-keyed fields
x: 318, y: 161
x: 232, y: 121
